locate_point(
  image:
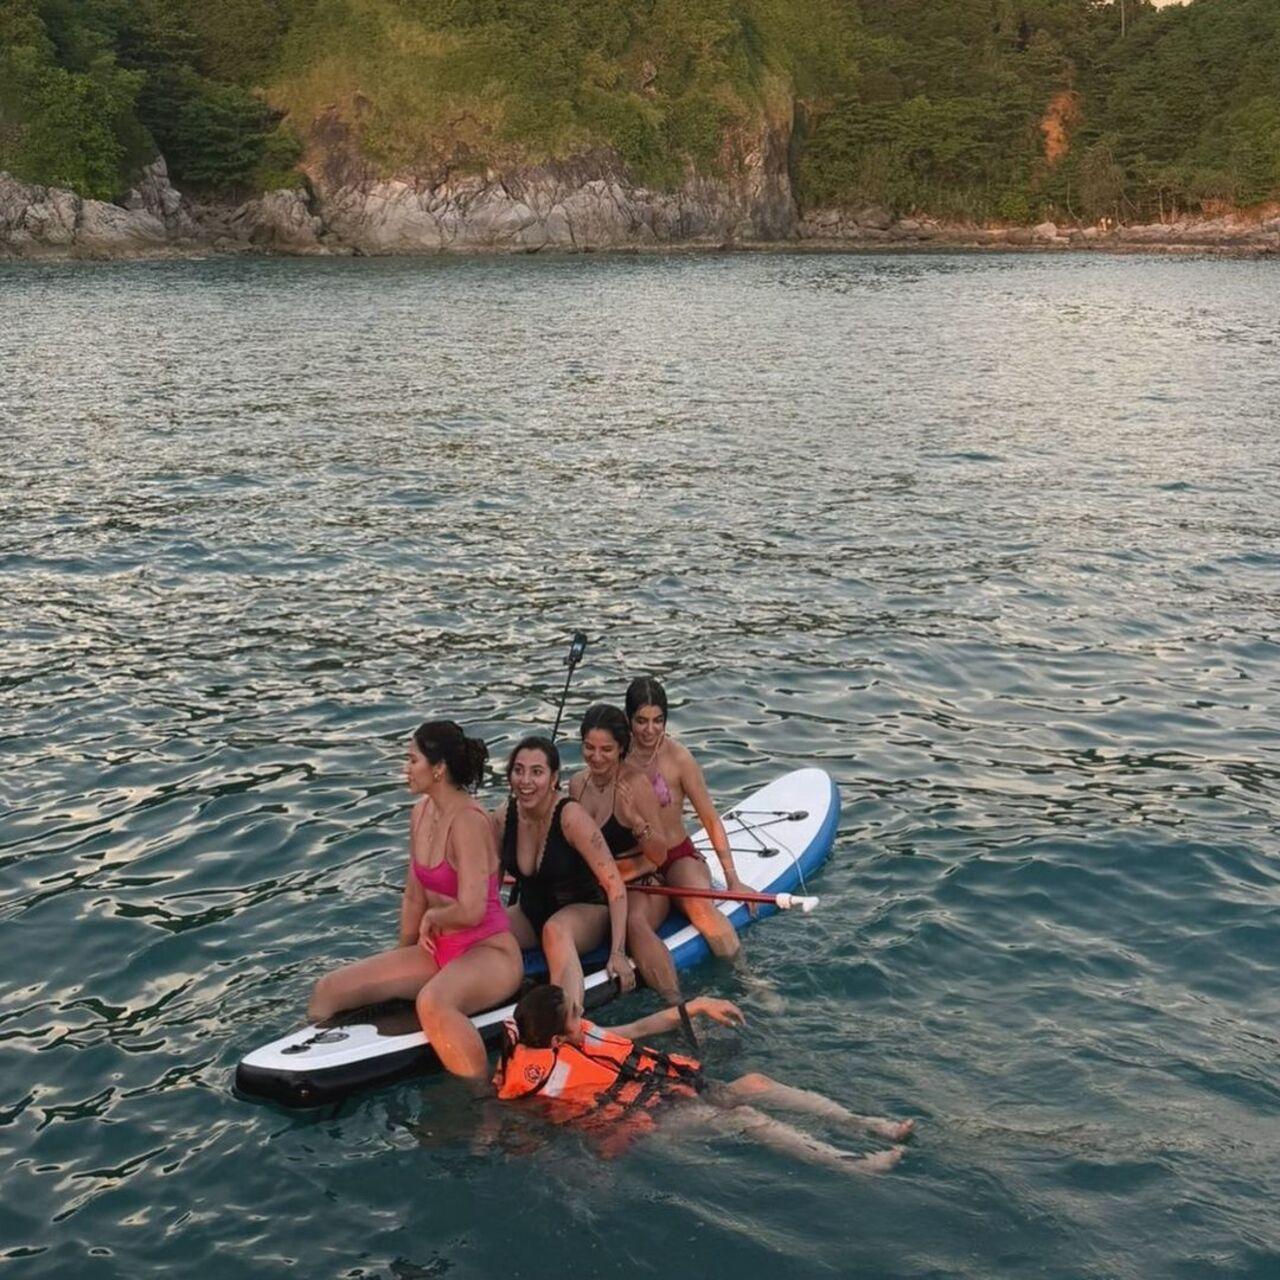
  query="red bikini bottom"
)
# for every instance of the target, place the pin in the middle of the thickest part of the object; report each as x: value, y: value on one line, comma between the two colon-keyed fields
x: 685, y: 849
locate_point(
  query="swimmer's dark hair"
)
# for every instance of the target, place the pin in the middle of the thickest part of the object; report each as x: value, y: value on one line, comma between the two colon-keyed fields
x: 535, y: 742
x: 613, y: 721
x: 540, y: 1016
x: 645, y: 691
x: 464, y: 757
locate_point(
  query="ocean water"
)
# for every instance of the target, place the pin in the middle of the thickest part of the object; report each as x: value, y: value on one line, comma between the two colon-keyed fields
x: 993, y: 539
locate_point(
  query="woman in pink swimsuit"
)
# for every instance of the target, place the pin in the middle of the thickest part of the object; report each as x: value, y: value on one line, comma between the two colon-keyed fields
x: 676, y: 777
x: 457, y: 954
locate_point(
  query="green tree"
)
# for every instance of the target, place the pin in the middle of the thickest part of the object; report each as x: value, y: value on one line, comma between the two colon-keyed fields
x: 62, y: 127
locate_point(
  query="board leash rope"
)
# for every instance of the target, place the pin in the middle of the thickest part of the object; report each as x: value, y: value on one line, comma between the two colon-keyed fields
x: 762, y: 849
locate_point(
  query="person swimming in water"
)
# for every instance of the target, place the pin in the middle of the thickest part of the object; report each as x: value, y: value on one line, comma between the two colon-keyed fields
x: 621, y: 801
x: 457, y: 954
x: 598, y: 1079
x: 567, y: 894
x: 675, y: 777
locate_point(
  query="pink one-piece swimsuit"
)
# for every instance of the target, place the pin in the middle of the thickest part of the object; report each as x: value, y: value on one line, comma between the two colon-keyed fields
x: 443, y: 879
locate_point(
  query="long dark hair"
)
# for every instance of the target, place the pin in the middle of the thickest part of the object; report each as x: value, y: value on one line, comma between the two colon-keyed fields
x: 613, y: 721
x: 464, y: 757
x: 645, y: 691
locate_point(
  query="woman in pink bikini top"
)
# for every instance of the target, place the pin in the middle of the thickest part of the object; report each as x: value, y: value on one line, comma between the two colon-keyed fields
x: 441, y: 884
x: 457, y: 954
x: 676, y: 777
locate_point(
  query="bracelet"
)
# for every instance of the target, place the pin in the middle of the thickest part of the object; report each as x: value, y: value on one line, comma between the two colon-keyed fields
x: 687, y: 1023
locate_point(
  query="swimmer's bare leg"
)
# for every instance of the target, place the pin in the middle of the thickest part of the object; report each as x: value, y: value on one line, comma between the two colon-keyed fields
x: 756, y: 1087
x: 748, y: 1122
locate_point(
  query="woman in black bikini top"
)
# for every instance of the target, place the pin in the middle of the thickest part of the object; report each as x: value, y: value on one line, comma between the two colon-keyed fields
x: 621, y: 840
x: 619, y: 797
x: 568, y: 895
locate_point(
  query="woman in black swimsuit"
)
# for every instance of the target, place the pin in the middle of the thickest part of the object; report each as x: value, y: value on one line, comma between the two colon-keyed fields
x: 567, y: 889
x: 620, y: 799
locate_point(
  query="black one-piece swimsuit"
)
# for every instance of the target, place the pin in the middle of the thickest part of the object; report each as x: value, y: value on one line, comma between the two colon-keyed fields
x: 560, y: 878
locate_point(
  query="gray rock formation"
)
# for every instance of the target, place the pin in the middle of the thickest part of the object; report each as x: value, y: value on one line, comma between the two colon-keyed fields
x: 584, y: 203
x: 874, y: 218
x: 155, y: 196
x: 281, y: 221
x: 37, y: 221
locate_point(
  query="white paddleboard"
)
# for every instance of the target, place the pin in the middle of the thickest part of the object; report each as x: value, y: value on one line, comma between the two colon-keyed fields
x: 780, y: 835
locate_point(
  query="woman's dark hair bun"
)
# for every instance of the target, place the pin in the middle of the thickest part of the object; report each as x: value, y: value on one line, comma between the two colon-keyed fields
x: 465, y: 758
x: 478, y: 754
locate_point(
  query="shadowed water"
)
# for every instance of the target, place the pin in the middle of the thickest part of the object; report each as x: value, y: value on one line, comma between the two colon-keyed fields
x: 994, y: 540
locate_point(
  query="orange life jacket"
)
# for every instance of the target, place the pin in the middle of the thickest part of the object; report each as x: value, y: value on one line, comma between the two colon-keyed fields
x: 606, y: 1077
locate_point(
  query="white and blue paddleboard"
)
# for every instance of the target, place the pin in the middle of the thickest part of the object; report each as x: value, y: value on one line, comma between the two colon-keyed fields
x: 780, y: 836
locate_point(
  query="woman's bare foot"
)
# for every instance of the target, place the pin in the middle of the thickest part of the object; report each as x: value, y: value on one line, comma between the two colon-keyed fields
x: 877, y: 1162
x: 891, y: 1130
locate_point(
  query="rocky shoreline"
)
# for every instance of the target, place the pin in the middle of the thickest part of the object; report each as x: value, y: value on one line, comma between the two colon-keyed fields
x: 874, y: 228
x: 586, y: 204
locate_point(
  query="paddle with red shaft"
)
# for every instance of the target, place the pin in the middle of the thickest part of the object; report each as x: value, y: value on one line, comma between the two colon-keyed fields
x: 783, y: 901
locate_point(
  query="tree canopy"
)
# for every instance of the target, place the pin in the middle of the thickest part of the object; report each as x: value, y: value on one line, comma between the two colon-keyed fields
x: 993, y: 109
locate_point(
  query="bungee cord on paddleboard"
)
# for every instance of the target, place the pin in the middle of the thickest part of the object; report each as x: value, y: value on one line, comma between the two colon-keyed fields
x: 776, y: 817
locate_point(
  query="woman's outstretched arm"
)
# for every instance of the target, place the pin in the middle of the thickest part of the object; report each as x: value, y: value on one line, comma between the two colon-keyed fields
x: 709, y: 1007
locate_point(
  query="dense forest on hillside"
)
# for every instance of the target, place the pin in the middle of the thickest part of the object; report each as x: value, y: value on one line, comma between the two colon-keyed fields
x: 1015, y: 108
x: 989, y: 109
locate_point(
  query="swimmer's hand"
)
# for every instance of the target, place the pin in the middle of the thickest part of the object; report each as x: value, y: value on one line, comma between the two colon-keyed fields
x: 724, y: 1012
x: 620, y: 967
